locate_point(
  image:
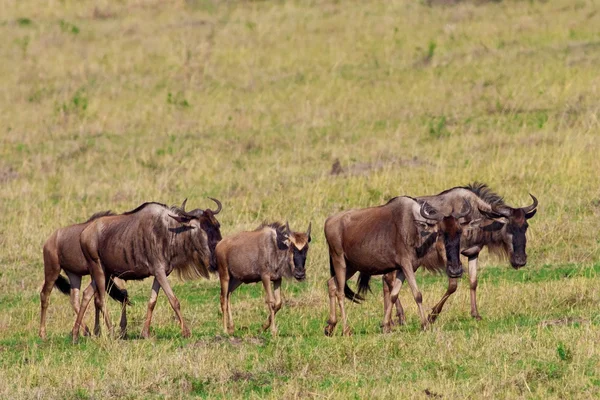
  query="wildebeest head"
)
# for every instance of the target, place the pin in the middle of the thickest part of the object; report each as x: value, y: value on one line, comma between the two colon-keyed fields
x: 449, y: 229
x: 514, y: 226
x: 206, y: 221
x: 297, y: 243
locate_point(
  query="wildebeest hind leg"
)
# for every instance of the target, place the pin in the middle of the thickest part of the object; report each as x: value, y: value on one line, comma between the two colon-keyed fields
x: 85, y: 301
x: 151, y: 303
x: 233, y: 284
x: 161, y: 276
x: 437, y: 309
x: 409, y: 273
x: 277, y: 293
x: 394, y: 283
x: 51, y: 272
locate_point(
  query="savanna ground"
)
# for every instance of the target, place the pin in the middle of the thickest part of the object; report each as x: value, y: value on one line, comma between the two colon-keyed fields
x: 104, y: 105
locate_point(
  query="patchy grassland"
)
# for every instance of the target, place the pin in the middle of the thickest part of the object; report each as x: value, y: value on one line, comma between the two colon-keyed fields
x: 109, y: 104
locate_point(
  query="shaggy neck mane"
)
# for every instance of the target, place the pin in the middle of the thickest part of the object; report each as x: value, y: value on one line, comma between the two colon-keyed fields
x: 278, y: 226
x: 141, y: 207
x: 99, y: 215
x: 484, y: 193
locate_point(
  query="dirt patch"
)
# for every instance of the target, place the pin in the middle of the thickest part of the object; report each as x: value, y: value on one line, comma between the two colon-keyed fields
x: 8, y: 174
x: 366, y: 168
x: 241, y: 376
x: 434, y: 395
x: 564, y: 321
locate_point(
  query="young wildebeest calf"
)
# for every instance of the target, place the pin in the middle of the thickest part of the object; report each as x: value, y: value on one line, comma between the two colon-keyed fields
x: 152, y: 240
x: 265, y: 254
x: 392, y: 237
x: 63, y: 251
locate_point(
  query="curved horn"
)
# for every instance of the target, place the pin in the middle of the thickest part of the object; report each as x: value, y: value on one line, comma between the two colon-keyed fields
x: 308, y: 231
x: 532, y: 207
x: 183, y: 204
x: 219, y: 206
x: 425, y: 214
x: 287, y: 227
x: 465, y: 210
x: 502, y: 211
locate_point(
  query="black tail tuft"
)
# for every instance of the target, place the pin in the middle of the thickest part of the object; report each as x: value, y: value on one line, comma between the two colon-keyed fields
x: 363, y: 283
x: 117, y: 293
x: 63, y: 284
x: 350, y: 295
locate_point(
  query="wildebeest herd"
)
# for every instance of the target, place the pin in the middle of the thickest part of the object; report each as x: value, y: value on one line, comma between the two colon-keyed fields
x: 392, y: 240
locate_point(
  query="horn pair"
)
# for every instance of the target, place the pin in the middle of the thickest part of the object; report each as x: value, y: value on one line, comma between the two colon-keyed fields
x: 215, y: 212
x: 427, y: 211
x: 506, y: 211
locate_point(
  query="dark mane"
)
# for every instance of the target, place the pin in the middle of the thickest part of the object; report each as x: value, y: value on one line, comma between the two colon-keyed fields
x: 100, y: 214
x: 143, y: 206
x: 278, y: 226
x: 482, y: 191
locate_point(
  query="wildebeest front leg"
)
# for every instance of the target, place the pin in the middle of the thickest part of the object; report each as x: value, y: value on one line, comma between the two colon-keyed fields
x: 161, y: 276
x: 151, y: 303
x: 473, y: 287
x: 332, y: 321
x: 270, y: 300
x: 437, y: 309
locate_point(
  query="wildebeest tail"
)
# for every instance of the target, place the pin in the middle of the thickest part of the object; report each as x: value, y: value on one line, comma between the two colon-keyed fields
x: 63, y: 284
x: 350, y: 295
x: 363, y: 283
x: 117, y: 293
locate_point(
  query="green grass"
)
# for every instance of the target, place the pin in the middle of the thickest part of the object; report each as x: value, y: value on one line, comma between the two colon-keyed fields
x: 104, y: 105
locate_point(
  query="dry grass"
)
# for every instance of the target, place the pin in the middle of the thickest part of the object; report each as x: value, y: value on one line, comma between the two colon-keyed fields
x: 104, y: 105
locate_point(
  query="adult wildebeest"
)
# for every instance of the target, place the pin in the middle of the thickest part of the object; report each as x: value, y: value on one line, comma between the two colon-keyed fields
x: 500, y: 228
x: 264, y: 255
x: 63, y: 251
x: 152, y: 240
x: 392, y: 237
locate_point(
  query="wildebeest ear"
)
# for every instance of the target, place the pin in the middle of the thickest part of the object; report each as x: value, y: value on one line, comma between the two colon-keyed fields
x: 530, y: 214
x: 424, y: 228
x: 180, y: 218
x: 494, y: 226
x: 472, y: 224
x: 471, y: 251
x: 283, y: 239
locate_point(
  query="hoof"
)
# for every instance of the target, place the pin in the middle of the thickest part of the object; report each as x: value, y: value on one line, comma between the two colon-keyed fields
x: 477, y: 317
x: 186, y: 333
x: 387, y: 328
x: 431, y: 318
x: 329, y: 330
x: 145, y: 334
x: 347, y: 331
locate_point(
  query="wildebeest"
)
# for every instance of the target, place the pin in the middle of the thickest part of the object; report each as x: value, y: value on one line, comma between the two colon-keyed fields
x: 265, y: 255
x: 63, y: 251
x: 499, y: 227
x: 392, y: 237
x: 152, y: 240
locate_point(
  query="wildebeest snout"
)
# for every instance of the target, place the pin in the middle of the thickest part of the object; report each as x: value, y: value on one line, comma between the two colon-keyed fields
x: 455, y: 271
